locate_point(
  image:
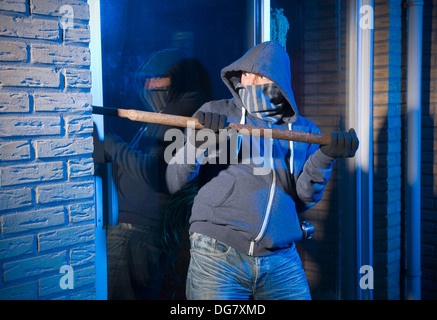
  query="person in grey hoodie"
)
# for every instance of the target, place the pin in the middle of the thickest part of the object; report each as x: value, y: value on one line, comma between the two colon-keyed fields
x: 245, y: 216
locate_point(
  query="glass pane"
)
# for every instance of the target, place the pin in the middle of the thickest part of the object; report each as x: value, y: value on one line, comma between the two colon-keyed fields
x: 144, y: 36
x: 160, y: 56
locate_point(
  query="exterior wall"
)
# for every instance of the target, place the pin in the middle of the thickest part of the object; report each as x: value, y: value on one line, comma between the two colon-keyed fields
x: 387, y: 149
x: 46, y: 165
x: 322, y: 100
x: 321, y: 97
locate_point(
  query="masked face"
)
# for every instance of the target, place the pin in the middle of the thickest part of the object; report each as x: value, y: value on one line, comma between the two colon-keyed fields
x: 264, y: 101
x: 156, y: 99
x: 155, y: 93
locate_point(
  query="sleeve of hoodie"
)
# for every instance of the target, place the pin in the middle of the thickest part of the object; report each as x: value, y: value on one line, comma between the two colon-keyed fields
x: 184, y: 166
x: 312, y: 181
x: 144, y: 167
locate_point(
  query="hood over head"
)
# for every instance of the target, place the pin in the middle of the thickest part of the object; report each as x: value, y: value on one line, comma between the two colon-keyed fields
x: 268, y: 59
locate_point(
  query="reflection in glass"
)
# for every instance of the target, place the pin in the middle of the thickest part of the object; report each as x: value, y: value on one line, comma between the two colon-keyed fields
x: 159, y: 56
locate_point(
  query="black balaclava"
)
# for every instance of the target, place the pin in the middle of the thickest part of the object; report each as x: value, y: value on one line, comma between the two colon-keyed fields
x: 264, y: 101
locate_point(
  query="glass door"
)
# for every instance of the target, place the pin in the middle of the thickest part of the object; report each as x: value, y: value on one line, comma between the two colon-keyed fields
x: 165, y: 57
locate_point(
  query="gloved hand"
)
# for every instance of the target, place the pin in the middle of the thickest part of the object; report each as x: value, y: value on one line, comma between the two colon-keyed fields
x: 214, y: 122
x: 343, y: 144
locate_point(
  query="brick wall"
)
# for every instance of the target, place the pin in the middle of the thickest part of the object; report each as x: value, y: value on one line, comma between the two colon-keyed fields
x: 46, y: 166
x: 322, y: 100
x: 387, y: 149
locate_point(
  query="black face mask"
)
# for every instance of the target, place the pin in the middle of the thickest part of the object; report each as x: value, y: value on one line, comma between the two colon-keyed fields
x: 264, y: 101
x: 156, y: 99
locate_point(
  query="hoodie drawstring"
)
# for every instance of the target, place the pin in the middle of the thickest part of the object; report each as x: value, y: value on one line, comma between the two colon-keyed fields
x: 290, y: 143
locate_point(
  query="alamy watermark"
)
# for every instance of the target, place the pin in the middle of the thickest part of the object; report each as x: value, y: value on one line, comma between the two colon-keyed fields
x: 67, y: 280
x: 366, y: 281
x: 257, y: 152
x: 367, y: 17
x: 67, y: 20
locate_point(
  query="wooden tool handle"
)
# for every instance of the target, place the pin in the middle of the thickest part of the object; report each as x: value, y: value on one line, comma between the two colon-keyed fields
x: 181, y: 121
x: 282, y: 134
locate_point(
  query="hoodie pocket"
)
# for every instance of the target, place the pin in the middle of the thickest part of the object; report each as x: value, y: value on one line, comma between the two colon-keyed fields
x: 217, y: 191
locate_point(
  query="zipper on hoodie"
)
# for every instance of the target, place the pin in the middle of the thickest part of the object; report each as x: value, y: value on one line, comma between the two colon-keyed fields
x: 269, y: 205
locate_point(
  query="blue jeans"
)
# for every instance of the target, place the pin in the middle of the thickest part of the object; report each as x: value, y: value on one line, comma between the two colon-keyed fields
x: 219, y: 272
x: 136, y: 265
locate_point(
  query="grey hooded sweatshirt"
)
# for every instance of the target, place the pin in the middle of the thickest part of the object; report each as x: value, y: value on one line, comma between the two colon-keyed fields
x: 252, y: 203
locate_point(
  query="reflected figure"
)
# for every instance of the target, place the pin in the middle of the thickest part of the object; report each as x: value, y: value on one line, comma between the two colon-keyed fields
x: 137, y: 261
